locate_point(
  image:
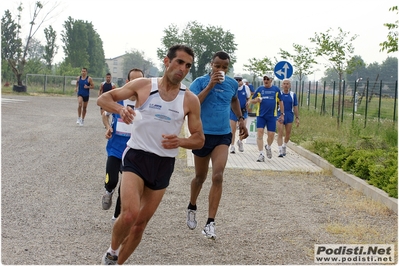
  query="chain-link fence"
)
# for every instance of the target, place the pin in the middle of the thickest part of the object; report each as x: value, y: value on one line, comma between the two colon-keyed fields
x: 38, y: 83
x: 359, y: 99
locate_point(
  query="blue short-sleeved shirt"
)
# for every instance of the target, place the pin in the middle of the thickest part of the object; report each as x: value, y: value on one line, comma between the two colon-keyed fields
x: 289, y: 101
x: 270, y: 98
x: 215, y: 109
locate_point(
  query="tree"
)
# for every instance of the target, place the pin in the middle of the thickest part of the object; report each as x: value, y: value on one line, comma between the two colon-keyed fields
x: 302, y: 60
x: 389, y: 70
x: 338, y: 50
x: 391, y: 44
x: 95, y: 51
x: 83, y: 46
x: 75, y: 40
x: 258, y: 67
x: 135, y: 59
x: 205, y: 41
x: 12, y: 48
x: 50, y: 49
x: 35, y: 50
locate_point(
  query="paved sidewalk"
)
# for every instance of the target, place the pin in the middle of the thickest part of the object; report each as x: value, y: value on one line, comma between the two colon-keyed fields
x: 292, y: 162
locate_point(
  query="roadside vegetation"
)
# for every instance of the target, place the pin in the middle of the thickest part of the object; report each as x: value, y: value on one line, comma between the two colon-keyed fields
x: 370, y: 152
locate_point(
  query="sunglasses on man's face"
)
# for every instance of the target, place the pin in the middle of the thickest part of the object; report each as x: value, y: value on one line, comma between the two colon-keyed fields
x: 266, y: 79
x: 238, y: 79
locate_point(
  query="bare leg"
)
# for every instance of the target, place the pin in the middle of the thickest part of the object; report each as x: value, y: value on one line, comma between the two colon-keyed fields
x: 84, y: 109
x: 131, y: 223
x: 219, y: 159
x: 280, y: 132
x: 233, y: 126
x: 201, y: 171
x: 80, y: 104
x: 259, y: 139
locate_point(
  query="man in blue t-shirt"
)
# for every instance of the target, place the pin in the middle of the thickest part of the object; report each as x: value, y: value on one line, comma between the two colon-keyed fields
x: 291, y: 113
x: 243, y: 95
x: 217, y: 94
x: 268, y: 96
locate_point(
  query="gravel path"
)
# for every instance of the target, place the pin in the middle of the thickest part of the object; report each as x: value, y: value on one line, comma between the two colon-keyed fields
x: 52, y: 183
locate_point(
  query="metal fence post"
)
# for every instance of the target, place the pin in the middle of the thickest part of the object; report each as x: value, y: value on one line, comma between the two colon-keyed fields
x: 343, y: 101
x: 333, y: 99
x: 367, y: 96
x: 354, y: 101
x: 379, y: 102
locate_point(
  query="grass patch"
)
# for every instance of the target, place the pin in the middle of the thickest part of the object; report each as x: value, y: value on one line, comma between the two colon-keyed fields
x: 367, y: 150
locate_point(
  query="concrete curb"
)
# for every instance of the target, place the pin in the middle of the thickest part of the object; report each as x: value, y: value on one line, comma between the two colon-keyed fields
x: 354, y: 181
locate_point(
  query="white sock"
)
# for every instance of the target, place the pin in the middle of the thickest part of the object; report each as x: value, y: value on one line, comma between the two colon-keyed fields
x: 284, y: 144
x: 267, y: 147
x: 280, y: 149
x: 113, y: 252
x: 262, y: 153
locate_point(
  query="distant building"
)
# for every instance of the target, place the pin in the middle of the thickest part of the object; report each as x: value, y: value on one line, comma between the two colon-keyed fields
x: 115, y: 66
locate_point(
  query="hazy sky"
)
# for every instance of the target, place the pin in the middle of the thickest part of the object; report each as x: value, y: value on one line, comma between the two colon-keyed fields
x: 261, y: 28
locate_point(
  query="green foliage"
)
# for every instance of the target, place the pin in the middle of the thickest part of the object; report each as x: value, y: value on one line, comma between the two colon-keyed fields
x: 12, y: 48
x: 83, y: 47
x: 391, y: 44
x: 65, y: 69
x: 204, y: 40
x: 135, y: 59
x: 338, y: 50
x: 50, y: 49
x: 76, y: 43
x: 258, y: 67
x: 369, y: 153
x: 302, y: 60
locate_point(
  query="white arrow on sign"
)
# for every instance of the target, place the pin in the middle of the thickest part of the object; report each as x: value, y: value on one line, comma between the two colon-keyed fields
x: 285, y: 67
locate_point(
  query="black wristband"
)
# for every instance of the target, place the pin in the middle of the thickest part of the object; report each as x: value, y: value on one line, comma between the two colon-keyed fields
x: 240, y: 118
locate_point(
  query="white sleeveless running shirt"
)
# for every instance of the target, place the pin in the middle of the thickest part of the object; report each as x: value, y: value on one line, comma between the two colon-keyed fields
x: 159, y: 117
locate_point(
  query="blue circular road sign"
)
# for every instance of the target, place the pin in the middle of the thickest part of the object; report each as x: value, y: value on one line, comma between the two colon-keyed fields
x: 283, y: 70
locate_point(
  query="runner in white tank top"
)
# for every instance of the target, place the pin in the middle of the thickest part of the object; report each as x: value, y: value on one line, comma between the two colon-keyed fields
x: 159, y: 117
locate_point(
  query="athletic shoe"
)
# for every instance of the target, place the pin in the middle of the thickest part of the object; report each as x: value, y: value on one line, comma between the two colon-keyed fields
x: 280, y: 155
x: 107, y: 200
x: 191, y: 222
x: 209, y: 231
x: 284, y: 150
x: 109, y: 259
x: 268, y: 152
x: 81, y: 122
x: 78, y: 121
x: 240, y: 145
x: 261, y: 158
x: 232, y: 149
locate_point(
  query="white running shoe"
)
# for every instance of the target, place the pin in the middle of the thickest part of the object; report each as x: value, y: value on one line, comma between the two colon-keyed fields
x: 261, y: 158
x: 240, y: 145
x: 232, y: 149
x: 109, y: 259
x: 284, y: 150
x: 81, y: 122
x: 209, y: 231
x: 268, y: 152
x: 191, y: 222
x: 107, y: 200
x: 78, y: 121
